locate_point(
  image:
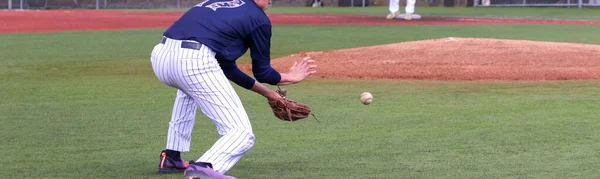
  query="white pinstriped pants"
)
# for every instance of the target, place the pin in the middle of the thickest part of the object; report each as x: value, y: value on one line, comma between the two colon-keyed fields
x: 395, y: 6
x: 201, y: 83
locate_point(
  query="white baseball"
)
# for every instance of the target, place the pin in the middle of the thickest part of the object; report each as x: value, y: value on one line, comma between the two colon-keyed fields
x: 366, y: 98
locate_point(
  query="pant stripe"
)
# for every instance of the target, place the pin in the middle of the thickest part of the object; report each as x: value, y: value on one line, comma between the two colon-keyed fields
x: 229, y: 104
x: 240, y: 145
x: 209, y: 111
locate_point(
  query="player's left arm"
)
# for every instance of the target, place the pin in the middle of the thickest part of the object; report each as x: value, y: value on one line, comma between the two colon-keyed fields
x: 259, y: 41
x: 260, y: 50
x: 233, y: 73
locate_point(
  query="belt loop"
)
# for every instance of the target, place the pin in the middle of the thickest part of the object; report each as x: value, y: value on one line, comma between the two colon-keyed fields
x: 184, y: 44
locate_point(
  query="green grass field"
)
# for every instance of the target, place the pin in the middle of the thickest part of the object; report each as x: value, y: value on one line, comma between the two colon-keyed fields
x: 497, y: 12
x: 87, y: 105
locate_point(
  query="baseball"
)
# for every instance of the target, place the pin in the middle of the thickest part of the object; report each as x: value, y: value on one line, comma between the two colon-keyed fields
x: 366, y: 98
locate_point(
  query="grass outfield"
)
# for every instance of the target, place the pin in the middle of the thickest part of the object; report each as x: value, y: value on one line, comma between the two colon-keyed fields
x: 87, y: 105
x: 95, y: 47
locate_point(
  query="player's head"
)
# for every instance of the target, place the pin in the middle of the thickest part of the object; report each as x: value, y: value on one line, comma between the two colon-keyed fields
x: 263, y: 4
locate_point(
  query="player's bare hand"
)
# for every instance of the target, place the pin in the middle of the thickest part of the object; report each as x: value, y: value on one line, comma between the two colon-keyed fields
x: 299, y: 71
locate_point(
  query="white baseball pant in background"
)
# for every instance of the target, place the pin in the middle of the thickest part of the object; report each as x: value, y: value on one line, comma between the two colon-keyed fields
x: 409, y: 9
x: 201, y: 83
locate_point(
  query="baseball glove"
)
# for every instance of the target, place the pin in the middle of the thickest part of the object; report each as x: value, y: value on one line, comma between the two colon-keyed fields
x: 289, y: 110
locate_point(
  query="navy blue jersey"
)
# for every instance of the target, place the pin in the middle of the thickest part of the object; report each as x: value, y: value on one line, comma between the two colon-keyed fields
x: 230, y: 28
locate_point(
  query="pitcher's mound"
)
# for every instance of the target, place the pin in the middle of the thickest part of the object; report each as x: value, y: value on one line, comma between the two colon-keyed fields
x: 457, y: 59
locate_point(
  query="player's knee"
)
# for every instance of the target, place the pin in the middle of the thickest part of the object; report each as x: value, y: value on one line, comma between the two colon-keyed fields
x: 247, y: 138
x: 250, y: 137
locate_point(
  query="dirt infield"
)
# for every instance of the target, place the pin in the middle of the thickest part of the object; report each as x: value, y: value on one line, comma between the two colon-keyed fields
x: 457, y: 59
x: 479, y: 59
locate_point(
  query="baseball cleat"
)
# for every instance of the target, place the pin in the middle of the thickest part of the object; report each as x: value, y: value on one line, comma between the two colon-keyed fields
x: 408, y: 16
x: 201, y: 170
x: 392, y: 15
x: 168, y: 164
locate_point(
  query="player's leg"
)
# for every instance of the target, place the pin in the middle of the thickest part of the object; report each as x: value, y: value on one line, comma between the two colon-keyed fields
x: 394, y: 9
x: 409, y: 9
x: 202, y: 79
x: 183, y: 113
x: 487, y: 2
x: 410, y: 6
x: 179, y: 134
x: 182, y: 123
x: 219, y: 101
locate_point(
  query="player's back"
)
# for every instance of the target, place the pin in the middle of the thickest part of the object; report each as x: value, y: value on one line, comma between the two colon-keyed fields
x: 220, y: 25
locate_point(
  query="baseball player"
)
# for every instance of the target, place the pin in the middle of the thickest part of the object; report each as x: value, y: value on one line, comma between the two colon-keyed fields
x: 395, y: 9
x: 197, y: 55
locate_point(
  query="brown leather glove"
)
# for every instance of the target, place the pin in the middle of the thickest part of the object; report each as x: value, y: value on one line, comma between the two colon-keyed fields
x: 289, y: 110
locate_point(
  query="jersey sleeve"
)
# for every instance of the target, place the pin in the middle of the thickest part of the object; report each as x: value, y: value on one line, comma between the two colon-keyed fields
x: 233, y: 73
x: 260, y: 51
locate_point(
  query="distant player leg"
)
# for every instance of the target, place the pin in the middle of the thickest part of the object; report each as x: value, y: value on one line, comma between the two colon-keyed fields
x: 410, y: 6
x: 487, y: 2
x: 410, y: 9
x: 394, y: 9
